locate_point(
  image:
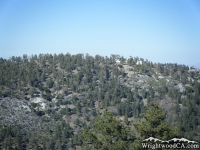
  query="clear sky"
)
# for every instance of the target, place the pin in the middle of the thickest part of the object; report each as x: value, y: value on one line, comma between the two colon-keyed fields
x: 166, y: 31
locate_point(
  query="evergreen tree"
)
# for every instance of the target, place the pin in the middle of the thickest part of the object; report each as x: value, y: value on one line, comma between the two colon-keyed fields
x: 107, y: 133
x: 154, y: 125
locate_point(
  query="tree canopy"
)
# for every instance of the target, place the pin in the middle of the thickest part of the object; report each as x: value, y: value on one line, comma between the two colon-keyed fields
x: 154, y: 125
x: 107, y: 133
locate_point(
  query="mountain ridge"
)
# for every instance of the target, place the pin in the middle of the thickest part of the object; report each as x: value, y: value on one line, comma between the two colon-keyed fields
x: 73, y: 89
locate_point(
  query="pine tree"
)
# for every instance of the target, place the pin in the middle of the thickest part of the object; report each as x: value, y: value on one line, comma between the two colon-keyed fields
x: 107, y: 134
x: 154, y: 125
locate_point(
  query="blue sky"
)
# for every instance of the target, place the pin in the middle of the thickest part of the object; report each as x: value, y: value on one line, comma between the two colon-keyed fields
x: 166, y: 31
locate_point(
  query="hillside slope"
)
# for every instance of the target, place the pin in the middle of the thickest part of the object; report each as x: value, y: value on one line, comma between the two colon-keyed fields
x: 65, y: 92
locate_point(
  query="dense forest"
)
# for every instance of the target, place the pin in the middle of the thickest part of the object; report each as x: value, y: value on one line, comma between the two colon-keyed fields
x: 57, y: 101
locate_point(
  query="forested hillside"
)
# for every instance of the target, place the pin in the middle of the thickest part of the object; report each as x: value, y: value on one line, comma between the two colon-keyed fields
x: 47, y: 100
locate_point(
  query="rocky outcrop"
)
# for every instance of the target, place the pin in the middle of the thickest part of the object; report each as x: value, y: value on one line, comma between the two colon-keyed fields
x: 17, y: 112
x: 41, y: 103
